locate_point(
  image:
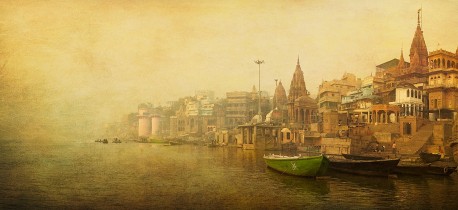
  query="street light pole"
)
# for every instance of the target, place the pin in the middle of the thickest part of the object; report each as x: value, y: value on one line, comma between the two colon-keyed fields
x: 259, y: 62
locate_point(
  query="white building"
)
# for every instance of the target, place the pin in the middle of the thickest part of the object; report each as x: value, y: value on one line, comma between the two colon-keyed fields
x: 410, y: 99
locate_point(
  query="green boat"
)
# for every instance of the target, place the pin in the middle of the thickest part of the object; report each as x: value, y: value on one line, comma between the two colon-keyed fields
x: 310, y: 166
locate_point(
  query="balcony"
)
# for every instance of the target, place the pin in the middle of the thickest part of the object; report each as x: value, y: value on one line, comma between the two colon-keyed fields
x: 335, y: 98
x: 443, y: 85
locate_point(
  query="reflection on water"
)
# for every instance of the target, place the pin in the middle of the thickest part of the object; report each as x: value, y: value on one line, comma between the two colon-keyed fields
x: 118, y: 176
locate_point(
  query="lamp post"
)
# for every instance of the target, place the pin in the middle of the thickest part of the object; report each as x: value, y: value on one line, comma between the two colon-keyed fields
x: 259, y: 62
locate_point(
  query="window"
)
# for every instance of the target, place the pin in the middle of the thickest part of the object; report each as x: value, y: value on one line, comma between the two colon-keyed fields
x: 408, y: 93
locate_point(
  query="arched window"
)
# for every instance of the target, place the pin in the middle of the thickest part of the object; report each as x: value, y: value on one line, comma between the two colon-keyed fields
x: 416, y: 94
x: 448, y: 64
x: 408, y: 93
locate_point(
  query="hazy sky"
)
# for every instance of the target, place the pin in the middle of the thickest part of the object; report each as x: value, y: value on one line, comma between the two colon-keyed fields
x: 114, y: 55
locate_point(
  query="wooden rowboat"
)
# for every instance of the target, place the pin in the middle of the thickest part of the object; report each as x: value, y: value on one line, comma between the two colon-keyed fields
x: 361, y: 157
x: 310, y: 166
x: 365, y: 167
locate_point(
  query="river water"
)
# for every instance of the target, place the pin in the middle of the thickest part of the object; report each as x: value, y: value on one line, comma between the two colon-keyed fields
x: 89, y: 175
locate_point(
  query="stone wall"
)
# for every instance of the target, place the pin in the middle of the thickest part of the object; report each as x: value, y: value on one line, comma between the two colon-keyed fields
x: 335, y: 146
x: 383, y: 137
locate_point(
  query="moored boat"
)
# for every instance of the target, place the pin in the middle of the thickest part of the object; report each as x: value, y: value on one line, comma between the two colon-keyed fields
x: 174, y: 143
x: 419, y: 169
x: 429, y: 157
x: 361, y: 157
x: 364, y: 167
x: 310, y: 166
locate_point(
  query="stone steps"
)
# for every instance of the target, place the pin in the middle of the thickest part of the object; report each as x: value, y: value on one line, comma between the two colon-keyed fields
x: 413, y: 145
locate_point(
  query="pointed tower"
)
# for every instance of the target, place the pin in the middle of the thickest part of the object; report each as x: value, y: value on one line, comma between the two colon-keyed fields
x: 280, y: 100
x: 254, y: 93
x: 297, y: 87
x: 415, y: 60
x: 419, y: 46
x: 402, y: 63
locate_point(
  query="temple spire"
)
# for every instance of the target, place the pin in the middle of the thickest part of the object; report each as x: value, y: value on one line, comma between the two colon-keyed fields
x: 401, y: 64
x: 420, y: 17
x: 418, y: 45
x: 298, y: 60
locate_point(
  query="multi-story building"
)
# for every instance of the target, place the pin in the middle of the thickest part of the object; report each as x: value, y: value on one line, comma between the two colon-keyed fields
x: 443, y: 84
x: 197, y: 115
x: 144, y: 120
x: 330, y: 92
x: 240, y: 108
x: 357, y: 104
x: 384, y: 79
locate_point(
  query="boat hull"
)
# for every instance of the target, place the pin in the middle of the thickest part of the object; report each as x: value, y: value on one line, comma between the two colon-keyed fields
x: 301, y: 166
x: 429, y: 157
x: 365, y: 167
x: 422, y: 169
x: 360, y: 157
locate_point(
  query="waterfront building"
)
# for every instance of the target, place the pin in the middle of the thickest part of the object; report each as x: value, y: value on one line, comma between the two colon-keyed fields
x: 301, y: 117
x: 239, y: 108
x: 410, y: 99
x: 197, y: 115
x: 357, y: 104
x: 302, y: 109
x: 144, y: 120
x: 330, y: 92
x: 443, y: 99
x: 443, y: 85
x: 385, y: 77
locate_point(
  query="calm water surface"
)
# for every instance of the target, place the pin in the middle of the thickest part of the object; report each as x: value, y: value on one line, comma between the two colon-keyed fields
x: 152, y: 176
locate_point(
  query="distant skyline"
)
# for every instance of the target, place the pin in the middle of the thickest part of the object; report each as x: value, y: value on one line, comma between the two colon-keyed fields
x: 103, y: 58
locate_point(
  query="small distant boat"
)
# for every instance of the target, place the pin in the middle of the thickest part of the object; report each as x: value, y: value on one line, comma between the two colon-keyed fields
x: 364, y: 167
x: 116, y: 140
x: 361, y: 157
x: 105, y: 141
x: 419, y: 169
x: 429, y: 157
x: 310, y: 166
x: 174, y: 143
x: 212, y: 145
